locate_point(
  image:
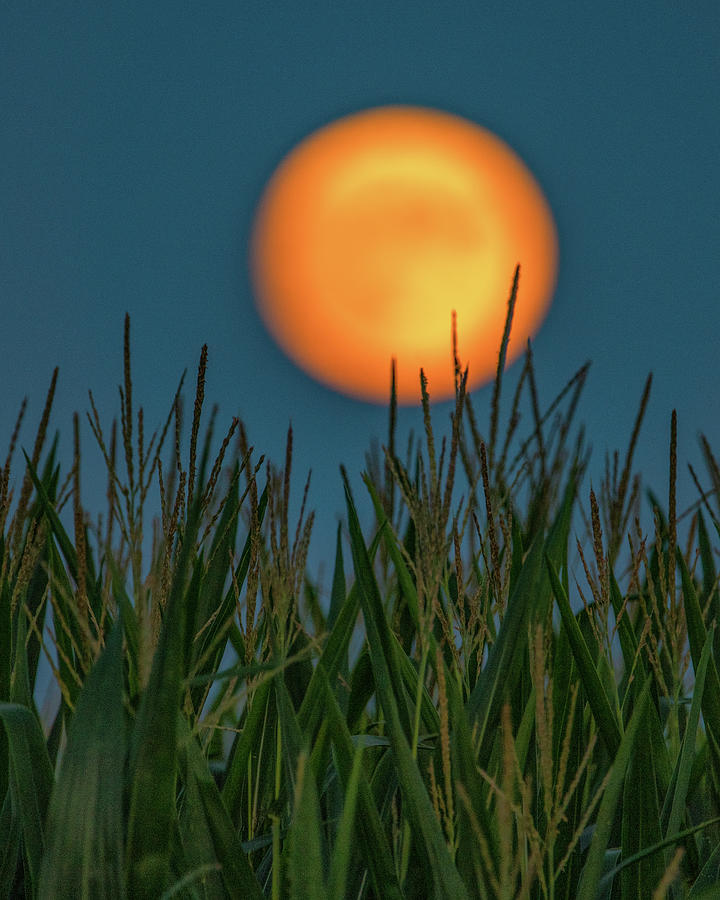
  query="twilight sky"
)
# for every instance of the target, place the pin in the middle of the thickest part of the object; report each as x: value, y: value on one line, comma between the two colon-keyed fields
x: 135, y: 140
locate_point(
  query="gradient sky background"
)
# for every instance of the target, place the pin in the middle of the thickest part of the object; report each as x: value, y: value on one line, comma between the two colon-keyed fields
x: 135, y: 140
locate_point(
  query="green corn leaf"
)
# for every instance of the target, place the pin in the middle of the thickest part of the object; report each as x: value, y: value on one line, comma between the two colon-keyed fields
x: 67, y: 633
x: 708, y: 564
x: 707, y: 882
x: 56, y: 526
x: 463, y: 753
x: 710, y: 588
x: 529, y: 600
x: 212, y: 635
x: 9, y: 844
x: 238, y: 878
x: 337, y: 595
x: 641, y: 826
x: 21, y: 691
x: 31, y: 779
x: 130, y: 623
x: 593, y: 869
x: 334, y: 652
x: 475, y: 825
x: 84, y: 857
x: 153, y: 757
x: 342, y: 852
x: 697, y: 635
x: 628, y: 640
x: 404, y: 577
x: 245, y: 744
x: 35, y: 610
x: 191, y: 602
x: 440, y: 868
x: 429, y: 716
x: 683, y: 769
x: 195, y: 853
x: 485, y: 701
x: 602, y: 710
x: 305, y: 858
x: 362, y: 689
x: 291, y: 735
x: 211, y: 824
x: 373, y: 842
x: 6, y: 657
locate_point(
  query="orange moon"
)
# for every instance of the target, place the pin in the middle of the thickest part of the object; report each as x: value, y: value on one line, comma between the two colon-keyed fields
x: 376, y: 227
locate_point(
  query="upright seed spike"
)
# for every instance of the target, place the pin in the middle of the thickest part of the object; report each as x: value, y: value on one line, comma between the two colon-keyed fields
x: 672, y: 513
x: 619, y: 503
x: 495, y: 409
x: 126, y: 405
x: 389, y: 493
x: 26, y: 489
x: 197, y: 411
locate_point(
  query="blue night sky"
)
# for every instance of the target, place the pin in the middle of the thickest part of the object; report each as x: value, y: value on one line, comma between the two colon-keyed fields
x: 135, y: 140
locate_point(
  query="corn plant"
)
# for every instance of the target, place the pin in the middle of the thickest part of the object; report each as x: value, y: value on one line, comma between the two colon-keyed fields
x: 511, y: 695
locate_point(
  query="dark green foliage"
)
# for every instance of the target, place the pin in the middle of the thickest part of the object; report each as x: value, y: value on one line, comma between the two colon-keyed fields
x: 453, y: 719
x: 88, y: 859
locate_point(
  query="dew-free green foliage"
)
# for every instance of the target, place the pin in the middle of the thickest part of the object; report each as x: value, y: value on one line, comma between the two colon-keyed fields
x: 510, y: 691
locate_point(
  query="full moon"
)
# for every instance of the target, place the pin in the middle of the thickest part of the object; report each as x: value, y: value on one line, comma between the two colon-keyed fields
x: 376, y: 227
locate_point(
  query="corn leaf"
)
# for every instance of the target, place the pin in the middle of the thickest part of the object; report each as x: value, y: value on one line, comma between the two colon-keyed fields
x: 85, y: 853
